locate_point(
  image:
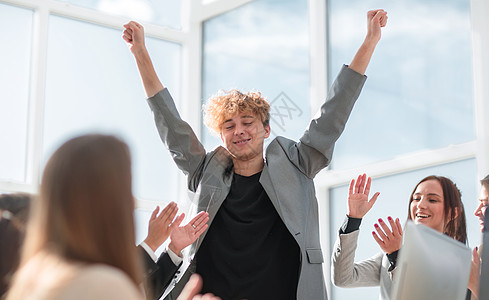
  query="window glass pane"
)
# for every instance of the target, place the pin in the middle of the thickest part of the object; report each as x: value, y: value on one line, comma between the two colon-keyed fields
x: 419, y: 91
x: 160, y: 12
x: 393, y: 201
x: 16, y: 31
x: 95, y: 87
x: 262, y: 46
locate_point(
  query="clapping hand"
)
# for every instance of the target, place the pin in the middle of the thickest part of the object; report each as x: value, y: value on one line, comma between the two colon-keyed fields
x: 389, y: 240
x: 160, y: 226
x: 184, y: 236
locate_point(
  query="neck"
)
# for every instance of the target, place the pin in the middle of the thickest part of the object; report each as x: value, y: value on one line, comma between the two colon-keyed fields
x: 248, y: 167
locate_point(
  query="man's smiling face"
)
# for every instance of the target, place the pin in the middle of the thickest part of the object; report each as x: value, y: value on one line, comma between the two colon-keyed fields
x: 243, y: 135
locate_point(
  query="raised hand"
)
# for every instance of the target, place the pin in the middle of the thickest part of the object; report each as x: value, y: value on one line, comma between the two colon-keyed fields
x: 358, y: 202
x: 375, y: 20
x: 389, y: 240
x: 160, y: 226
x: 133, y: 34
x: 184, y: 236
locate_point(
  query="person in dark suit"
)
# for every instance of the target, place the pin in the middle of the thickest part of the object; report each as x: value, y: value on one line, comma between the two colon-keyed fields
x: 160, y: 271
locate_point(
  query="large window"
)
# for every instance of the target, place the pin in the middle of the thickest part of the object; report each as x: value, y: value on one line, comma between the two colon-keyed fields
x: 94, y: 87
x: 419, y: 92
x: 16, y: 30
x: 262, y: 46
x: 66, y: 71
x: 414, y: 117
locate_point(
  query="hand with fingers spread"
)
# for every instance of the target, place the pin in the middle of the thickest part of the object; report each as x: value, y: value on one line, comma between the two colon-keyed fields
x: 358, y: 202
x: 389, y: 239
x: 160, y: 226
x: 184, y: 236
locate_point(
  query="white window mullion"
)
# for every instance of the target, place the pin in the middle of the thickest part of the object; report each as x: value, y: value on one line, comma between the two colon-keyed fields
x: 37, y: 95
x: 480, y: 46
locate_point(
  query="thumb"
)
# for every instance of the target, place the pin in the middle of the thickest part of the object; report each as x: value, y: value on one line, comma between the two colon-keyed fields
x: 373, y: 199
x: 155, y: 212
x: 192, y: 288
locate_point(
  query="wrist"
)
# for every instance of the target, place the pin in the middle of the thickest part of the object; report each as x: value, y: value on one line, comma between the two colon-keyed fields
x: 370, y: 42
x: 175, y: 250
x: 151, y: 244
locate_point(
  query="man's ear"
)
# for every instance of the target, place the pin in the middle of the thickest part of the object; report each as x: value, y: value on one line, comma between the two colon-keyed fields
x: 267, y: 130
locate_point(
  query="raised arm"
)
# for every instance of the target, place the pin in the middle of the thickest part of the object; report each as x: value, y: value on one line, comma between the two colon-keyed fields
x: 375, y: 20
x: 345, y: 272
x: 134, y: 36
x: 315, y: 149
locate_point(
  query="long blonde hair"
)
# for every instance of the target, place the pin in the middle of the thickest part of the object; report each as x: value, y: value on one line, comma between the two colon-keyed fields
x: 84, y: 212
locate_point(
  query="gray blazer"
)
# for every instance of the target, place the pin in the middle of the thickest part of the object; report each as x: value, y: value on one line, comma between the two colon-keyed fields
x: 287, y: 176
x: 370, y: 272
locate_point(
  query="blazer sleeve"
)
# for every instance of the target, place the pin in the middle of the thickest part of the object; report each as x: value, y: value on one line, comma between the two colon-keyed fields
x: 347, y: 273
x: 314, y: 150
x: 158, y: 274
x: 177, y: 135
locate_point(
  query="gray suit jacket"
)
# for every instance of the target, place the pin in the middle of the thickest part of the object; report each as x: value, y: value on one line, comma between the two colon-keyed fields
x: 370, y: 272
x: 287, y: 176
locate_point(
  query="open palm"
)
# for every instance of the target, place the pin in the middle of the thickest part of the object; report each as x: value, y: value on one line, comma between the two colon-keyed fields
x: 358, y: 202
x: 184, y: 236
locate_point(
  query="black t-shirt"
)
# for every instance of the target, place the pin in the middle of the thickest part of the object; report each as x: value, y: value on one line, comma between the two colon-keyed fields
x: 248, y: 253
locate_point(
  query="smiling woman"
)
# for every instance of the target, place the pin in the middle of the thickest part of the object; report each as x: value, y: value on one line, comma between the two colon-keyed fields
x: 435, y: 202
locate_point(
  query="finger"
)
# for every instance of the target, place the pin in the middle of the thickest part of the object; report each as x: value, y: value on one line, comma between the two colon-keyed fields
x: 378, y: 240
x: 137, y: 24
x: 373, y: 199
x: 155, y: 212
x: 383, y: 20
x: 377, y: 16
x: 127, y: 39
x: 202, y: 223
x: 385, y: 228
x: 393, y: 226
x: 169, y: 212
x: 201, y: 230
x: 177, y: 221
x: 399, y: 226
x: 200, y: 219
x: 127, y: 35
x: 380, y: 232
x: 367, y: 186
x: 357, y: 185
x: 192, y: 288
x: 362, y: 185
x: 352, y: 186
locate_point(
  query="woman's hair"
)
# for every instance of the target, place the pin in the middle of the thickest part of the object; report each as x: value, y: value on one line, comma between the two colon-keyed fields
x: 485, y: 182
x: 225, y: 105
x: 453, y: 208
x: 84, y: 211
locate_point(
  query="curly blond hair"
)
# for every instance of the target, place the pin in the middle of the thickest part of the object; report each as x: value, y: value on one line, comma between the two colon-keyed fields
x: 224, y: 105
